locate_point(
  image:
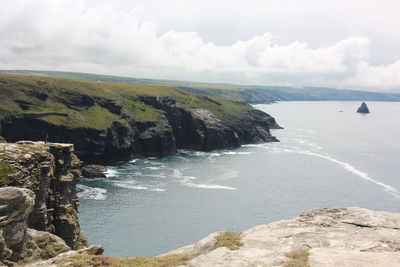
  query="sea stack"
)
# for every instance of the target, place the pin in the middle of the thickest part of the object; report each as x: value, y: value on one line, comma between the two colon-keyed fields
x: 363, y: 108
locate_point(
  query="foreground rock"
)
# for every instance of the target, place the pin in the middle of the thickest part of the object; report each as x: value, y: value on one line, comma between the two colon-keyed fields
x: 51, y: 171
x: 363, y: 108
x: 18, y: 243
x: 320, y: 237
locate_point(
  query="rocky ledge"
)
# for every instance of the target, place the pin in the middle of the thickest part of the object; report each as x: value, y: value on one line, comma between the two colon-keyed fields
x: 319, y: 237
x: 327, y: 237
x: 38, y: 201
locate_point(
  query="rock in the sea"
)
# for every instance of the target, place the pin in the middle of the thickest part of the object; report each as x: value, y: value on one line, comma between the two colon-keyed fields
x: 94, y: 171
x: 322, y: 237
x: 363, y: 108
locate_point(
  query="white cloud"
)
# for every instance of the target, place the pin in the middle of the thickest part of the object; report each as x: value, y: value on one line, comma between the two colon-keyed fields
x: 103, y: 38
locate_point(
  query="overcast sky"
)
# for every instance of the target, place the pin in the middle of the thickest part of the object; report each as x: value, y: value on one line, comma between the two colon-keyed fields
x: 345, y: 44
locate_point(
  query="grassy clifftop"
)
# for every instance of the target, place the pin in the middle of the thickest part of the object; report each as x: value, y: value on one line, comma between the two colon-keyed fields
x: 116, y: 121
x: 98, y: 104
x: 244, y: 93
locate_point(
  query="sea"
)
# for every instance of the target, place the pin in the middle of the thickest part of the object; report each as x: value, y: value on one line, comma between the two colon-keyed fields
x: 328, y: 156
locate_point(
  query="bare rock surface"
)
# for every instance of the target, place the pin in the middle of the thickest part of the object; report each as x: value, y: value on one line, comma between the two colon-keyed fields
x: 330, y: 237
x: 94, y: 171
x: 18, y: 243
x: 38, y: 200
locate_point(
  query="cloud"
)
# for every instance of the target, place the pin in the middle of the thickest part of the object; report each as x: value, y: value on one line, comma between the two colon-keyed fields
x: 101, y: 38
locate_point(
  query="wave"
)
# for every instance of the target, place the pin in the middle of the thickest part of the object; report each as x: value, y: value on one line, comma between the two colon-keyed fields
x: 87, y: 192
x: 347, y: 166
x: 236, y: 153
x: 209, y: 186
x: 139, y: 187
x: 111, y: 173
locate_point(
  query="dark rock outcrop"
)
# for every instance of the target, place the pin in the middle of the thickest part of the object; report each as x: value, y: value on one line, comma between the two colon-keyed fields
x: 177, y: 128
x: 94, y: 171
x: 363, y: 108
x: 51, y: 171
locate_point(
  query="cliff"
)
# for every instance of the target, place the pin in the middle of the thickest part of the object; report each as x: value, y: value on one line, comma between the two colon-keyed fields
x: 110, y: 122
x: 321, y: 237
x: 47, y: 203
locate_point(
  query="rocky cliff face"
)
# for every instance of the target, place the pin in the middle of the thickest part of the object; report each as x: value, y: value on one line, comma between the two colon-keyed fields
x: 177, y: 128
x: 117, y: 122
x: 51, y: 171
x: 322, y: 237
x: 18, y: 243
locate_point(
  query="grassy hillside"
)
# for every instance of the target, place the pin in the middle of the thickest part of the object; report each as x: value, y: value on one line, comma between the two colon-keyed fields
x: 243, y: 93
x: 82, y: 103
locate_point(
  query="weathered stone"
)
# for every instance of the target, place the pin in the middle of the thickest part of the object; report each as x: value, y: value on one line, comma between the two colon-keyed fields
x: 94, y: 171
x: 63, y: 257
x: 17, y: 242
x: 332, y: 237
x: 51, y: 171
x: 15, y: 206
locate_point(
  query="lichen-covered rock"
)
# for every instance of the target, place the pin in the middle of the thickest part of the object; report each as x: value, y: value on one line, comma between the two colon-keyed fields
x: 322, y: 237
x: 18, y: 242
x: 51, y: 171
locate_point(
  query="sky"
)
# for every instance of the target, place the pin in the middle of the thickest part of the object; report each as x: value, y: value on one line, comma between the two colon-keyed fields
x: 353, y: 44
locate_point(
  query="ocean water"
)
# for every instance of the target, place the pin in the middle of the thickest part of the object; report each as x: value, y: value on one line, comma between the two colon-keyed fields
x: 329, y: 156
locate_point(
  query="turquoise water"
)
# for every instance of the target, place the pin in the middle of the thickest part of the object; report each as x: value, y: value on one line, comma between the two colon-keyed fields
x: 326, y: 158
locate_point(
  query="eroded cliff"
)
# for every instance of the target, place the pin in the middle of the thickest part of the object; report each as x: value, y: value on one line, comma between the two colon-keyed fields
x: 51, y: 172
x: 109, y: 122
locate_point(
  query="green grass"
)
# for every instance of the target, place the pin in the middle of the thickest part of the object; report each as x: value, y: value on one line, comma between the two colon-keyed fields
x: 298, y: 258
x: 230, y: 240
x: 65, y: 103
x: 5, y: 171
x: 83, y: 260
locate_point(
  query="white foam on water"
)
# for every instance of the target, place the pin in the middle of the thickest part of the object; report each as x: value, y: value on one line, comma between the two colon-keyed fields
x: 157, y: 190
x: 87, y: 192
x: 209, y: 186
x: 133, y: 161
x: 229, y: 174
x: 111, y: 173
x: 130, y: 185
x: 347, y: 166
x: 236, y: 153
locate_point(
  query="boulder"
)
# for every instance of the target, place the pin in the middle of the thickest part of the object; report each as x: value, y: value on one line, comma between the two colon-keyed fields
x: 363, y: 108
x: 94, y: 171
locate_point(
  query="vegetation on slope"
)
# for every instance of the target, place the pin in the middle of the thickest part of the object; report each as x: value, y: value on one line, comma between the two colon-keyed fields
x: 243, y: 93
x: 84, y: 260
x: 87, y: 104
x: 230, y: 240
